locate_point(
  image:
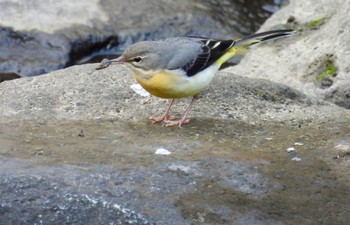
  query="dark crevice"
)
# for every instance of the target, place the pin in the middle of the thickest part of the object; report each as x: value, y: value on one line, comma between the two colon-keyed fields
x: 87, y: 50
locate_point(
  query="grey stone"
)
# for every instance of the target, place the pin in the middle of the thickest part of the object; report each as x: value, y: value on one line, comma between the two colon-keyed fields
x: 295, y: 60
x: 81, y: 92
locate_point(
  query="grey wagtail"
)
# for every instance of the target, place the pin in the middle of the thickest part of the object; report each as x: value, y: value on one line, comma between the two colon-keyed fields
x: 182, y: 67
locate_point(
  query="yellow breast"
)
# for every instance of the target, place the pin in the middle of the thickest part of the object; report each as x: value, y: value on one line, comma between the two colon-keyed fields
x: 174, y: 83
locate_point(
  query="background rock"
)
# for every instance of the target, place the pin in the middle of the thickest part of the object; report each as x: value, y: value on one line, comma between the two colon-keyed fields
x: 39, y: 37
x: 30, y: 53
x: 299, y: 64
x: 50, y: 16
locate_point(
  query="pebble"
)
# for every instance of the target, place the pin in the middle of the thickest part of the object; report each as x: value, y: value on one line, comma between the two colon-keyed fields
x: 296, y: 159
x: 290, y: 149
x: 162, y: 151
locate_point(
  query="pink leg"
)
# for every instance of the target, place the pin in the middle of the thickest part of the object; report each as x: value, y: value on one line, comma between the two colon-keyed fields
x: 166, y: 116
x: 184, y: 119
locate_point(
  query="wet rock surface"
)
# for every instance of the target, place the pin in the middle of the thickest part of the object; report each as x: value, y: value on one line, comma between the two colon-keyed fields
x: 218, y: 172
x: 42, y: 198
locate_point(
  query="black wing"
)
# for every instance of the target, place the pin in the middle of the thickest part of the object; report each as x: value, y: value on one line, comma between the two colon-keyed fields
x: 212, y: 50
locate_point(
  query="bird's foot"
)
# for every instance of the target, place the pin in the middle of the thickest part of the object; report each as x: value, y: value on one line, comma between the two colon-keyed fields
x: 179, y: 123
x: 162, y: 118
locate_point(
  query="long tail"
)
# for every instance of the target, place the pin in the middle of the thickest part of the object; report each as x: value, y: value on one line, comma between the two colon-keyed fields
x: 240, y: 46
x: 263, y: 37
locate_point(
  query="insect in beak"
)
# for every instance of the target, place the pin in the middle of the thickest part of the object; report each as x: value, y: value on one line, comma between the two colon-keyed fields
x: 106, y: 62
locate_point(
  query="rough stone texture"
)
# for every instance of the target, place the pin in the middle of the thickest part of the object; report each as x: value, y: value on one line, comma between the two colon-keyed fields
x: 81, y: 92
x: 50, y: 16
x: 297, y: 65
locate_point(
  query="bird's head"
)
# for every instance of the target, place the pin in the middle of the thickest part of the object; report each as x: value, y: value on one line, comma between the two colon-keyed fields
x: 170, y: 54
x: 145, y: 55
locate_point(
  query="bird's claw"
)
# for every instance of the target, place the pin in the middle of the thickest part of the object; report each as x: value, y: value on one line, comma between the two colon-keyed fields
x: 162, y: 119
x: 179, y: 123
x: 167, y: 120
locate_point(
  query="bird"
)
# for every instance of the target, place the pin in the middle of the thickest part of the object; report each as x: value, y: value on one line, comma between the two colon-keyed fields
x: 180, y: 67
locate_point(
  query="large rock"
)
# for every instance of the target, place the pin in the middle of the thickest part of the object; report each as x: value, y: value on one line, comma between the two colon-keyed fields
x: 50, y: 16
x: 81, y: 92
x: 300, y: 64
x: 76, y: 147
x: 39, y: 37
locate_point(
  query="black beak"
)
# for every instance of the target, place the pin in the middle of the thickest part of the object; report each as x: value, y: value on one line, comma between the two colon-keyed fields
x: 106, y: 62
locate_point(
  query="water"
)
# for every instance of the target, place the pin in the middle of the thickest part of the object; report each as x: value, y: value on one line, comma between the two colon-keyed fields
x: 217, y: 172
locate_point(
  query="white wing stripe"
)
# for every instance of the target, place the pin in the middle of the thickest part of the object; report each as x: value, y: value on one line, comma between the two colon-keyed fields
x: 216, y: 44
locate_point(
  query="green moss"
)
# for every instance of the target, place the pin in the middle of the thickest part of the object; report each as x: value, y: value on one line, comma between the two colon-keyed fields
x: 293, y: 24
x: 329, y: 70
x: 261, y: 94
x: 315, y: 24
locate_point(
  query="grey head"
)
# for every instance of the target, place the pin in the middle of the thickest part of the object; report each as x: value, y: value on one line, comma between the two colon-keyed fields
x: 170, y: 53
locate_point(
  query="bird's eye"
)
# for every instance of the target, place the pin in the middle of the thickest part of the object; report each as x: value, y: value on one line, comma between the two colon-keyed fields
x: 137, y: 59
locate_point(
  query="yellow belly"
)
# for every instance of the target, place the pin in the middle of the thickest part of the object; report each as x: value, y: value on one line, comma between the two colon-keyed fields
x: 168, y: 85
x: 174, y: 83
